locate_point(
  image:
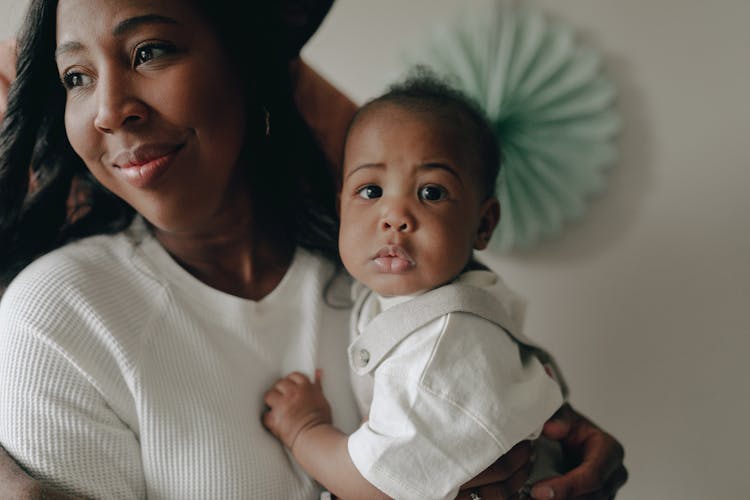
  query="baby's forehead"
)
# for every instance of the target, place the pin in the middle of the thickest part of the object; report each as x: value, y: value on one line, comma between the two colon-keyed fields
x: 440, y: 118
x: 445, y: 130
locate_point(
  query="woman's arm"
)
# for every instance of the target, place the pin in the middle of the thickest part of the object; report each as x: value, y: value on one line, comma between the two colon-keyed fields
x: 58, y: 426
x: 325, y: 109
x: 59, y: 387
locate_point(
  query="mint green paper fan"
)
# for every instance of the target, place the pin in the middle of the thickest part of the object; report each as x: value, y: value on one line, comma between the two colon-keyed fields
x: 548, y: 100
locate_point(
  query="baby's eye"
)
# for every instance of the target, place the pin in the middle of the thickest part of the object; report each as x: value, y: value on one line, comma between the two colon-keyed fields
x: 370, y: 191
x: 432, y: 192
x: 148, y: 52
x: 74, y: 79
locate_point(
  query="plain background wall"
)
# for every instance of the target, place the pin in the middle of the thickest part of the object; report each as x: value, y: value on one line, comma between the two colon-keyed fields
x: 11, y: 13
x: 645, y: 301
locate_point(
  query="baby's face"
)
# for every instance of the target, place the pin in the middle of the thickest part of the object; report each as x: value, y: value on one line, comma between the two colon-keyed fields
x: 411, y: 207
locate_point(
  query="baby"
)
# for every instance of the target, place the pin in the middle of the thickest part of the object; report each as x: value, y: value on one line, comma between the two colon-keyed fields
x: 440, y: 367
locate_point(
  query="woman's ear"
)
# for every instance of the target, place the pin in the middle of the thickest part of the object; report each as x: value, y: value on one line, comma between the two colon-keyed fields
x: 489, y: 216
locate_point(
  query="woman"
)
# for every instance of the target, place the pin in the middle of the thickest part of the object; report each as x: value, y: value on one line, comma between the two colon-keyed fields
x: 133, y: 362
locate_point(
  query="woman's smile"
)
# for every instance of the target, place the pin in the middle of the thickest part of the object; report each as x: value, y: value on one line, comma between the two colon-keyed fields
x: 145, y: 165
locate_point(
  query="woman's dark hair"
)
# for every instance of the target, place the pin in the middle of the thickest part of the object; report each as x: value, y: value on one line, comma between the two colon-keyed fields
x: 49, y: 198
x: 424, y: 91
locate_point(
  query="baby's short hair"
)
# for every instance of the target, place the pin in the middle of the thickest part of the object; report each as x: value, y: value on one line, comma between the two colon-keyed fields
x: 423, y: 91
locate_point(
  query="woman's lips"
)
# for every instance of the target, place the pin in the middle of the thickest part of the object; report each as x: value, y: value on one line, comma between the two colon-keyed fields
x: 145, y: 165
x: 393, y: 259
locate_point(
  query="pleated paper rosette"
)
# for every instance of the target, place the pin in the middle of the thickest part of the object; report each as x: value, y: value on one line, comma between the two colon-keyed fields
x: 548, y: 99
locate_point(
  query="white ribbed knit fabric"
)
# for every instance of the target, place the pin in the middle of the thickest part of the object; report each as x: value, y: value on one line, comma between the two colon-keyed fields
x: 122, y: 376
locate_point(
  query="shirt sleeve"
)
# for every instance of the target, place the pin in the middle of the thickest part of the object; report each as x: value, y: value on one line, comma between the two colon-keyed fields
x: 53, y: 419
x: 451, y: 399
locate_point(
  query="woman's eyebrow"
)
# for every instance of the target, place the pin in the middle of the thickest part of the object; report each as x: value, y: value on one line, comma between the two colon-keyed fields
x: 134, y: 22
x: 122, y: 28
x: 67, y: 47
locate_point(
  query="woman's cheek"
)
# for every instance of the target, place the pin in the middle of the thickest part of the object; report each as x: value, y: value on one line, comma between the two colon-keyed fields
x: 76, y: 125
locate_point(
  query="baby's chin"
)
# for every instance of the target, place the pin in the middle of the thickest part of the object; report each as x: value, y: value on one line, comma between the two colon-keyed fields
x: 412, y: 281
x: 393, y: 286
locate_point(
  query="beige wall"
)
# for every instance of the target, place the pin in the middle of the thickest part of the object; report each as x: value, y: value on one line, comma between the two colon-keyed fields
x: 646, y: 300
x: 11, y: 12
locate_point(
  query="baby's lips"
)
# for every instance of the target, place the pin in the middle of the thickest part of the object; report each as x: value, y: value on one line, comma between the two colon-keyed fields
x: 393, y: 259
x: 395, y: 251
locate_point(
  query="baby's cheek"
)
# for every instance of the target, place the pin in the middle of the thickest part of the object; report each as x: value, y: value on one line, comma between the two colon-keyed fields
x: 351, y: 239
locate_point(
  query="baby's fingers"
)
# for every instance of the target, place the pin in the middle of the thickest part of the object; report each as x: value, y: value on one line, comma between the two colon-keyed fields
x: 298, y: 378
x: 285, y: 385
x: 269, y: 420
x: 272, y: 397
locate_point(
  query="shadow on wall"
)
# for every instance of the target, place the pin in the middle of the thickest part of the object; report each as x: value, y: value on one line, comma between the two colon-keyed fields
x: 610, y: 215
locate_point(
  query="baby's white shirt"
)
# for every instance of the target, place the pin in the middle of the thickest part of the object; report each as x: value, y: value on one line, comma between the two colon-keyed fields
x: 449, y: 399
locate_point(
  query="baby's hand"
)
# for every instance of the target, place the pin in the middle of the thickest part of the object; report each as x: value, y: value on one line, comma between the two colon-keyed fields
x: 296, y: 405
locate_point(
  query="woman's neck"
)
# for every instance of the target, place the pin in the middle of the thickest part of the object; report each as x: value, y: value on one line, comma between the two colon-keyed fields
x: 233, y: 256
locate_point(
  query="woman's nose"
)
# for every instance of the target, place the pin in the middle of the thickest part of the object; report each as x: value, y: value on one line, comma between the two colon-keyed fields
x: 117, y: 105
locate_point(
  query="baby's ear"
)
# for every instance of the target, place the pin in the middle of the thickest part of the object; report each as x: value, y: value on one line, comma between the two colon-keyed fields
x: 489, y: 216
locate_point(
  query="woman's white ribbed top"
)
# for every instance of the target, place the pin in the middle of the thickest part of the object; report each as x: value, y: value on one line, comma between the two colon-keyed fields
x: 123, y: 376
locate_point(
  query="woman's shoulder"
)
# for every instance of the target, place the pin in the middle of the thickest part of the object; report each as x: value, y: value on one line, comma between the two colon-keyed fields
x: 92, y: 261
x: 81, y: 283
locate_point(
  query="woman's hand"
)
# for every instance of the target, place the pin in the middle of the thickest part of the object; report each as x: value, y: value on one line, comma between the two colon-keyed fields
x: 7, y: 72
x: 503, y: 479
x: 599, y: 470
x: 296, y: 405
x: 598, y: 473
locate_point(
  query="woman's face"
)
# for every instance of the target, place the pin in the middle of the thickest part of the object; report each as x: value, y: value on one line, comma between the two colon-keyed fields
x: 154, y: 108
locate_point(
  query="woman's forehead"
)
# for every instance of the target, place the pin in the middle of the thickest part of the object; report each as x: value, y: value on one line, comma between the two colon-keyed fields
x: 100, y: 18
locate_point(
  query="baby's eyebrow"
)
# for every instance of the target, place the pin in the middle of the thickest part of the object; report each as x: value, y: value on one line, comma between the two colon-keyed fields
x: 364, y: 166
x: 441, y: 166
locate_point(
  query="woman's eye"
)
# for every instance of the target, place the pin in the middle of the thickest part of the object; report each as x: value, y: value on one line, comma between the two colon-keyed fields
x: 371, y: 191
x: 432, y: 193
x: 75, y: 79
x: 146, y: 53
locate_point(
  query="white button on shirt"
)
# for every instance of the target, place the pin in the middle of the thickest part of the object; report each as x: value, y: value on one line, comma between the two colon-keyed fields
x: 364, y: 358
